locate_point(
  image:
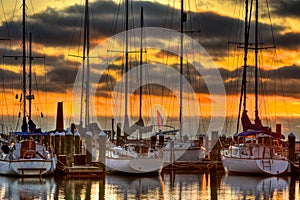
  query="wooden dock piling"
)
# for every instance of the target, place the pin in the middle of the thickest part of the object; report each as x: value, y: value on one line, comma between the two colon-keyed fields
x: 69, y: 148
x: 77, y: 142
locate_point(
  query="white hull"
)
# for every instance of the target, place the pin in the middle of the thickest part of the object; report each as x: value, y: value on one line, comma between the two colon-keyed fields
x: 134, y: 165
x: 184, y: 155
x: 182, y: 152
x: 254, y: 166
x: 27, y: 167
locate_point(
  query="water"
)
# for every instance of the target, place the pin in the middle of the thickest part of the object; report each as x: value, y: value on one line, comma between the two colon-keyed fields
x: 168, y: 186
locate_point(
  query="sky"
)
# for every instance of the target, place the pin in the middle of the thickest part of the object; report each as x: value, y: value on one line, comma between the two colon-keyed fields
x: 56, y: 27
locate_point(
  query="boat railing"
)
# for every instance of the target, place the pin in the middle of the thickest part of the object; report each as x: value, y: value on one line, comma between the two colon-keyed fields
x: 255, y: 151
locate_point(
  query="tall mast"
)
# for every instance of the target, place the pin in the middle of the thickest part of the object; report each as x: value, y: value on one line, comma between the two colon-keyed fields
x: 141, y: 62
x: 30, y: 78
x: 87, y: 43
x: 256, y: 58
x: 85, y: 82
x: 182, y: 20
x: 24, y: 62
x: 243, y: 95
x: 126, y: 121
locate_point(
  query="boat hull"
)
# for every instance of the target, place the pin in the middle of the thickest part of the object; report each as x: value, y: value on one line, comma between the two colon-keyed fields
x: 134, y: 165
x: 255, y: 166
x: 184, y: 155
x: 27, y: 167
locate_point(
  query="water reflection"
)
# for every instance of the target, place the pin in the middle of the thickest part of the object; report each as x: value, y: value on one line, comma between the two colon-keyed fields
x: 258, y: 187
x: 79, y: 189
x: 168, y: 186
x: 131, y: 187
x: 26, y: 188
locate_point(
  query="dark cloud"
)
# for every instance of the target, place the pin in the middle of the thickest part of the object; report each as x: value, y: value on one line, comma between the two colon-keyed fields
x: 279, y: 81
x: 286, y: 8
x: 59, y: 28
x: 290, y: 41
x: 62, y: 27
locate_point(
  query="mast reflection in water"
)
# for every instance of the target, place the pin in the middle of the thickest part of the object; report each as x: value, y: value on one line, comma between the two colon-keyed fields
x: 167, y: 186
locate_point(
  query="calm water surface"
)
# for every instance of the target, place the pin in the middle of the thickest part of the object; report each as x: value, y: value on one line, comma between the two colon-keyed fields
x: 166, y: 186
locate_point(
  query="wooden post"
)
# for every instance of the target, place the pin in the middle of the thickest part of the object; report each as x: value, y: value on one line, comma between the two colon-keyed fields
x: 206, y: 145
x: 112, y: 130
x: 102, y: 149
x: 118, y: 134
x: 88, y: 142
x: 161, y: 140
x: 153, y: 141
x: 77, y: 142
x: 52, y: 142
x: 69, y: 148
x: 172, y: 156
x: 291, y: 139
x: 62, y: 143
x: 57, y: 143
x: 59, y: 117
x: 214, y: 138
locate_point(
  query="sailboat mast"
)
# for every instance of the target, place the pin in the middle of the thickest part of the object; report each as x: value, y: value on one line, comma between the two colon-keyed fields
x: 87, y: 42
x: 24, y: 59
x: 141, y: 61
x: 243, y: 95
x: 30, y: 78
x: 85, y: 82
x: 182, y: 20
x: 256, y: 58
x: 244, y: 84
x: 126, y: 121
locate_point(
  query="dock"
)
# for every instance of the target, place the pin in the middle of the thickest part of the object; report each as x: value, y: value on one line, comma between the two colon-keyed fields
x: 204, y: 165
x: 81, y: 171
x: 79, y: 167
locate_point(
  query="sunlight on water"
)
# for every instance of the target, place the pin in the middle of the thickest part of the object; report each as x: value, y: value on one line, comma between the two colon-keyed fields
x: 168, y: 186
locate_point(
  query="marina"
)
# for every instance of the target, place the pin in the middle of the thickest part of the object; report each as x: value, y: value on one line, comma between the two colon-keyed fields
x: 148, y: 106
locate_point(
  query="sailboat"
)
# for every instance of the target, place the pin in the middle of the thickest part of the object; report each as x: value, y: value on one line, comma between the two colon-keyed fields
x: 26, y: 157
x: 118, y: 159
x: 134, y: 158
x: 257, y: 150
x: 182, y: 150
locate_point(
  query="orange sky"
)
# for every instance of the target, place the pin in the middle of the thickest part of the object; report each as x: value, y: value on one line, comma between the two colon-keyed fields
x: 55, y: 38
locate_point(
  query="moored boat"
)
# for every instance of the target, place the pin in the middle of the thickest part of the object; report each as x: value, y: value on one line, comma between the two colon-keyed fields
x: 257, y: 153
x: 257, y: 149
x: 26, y: 158
x: 133, y: 159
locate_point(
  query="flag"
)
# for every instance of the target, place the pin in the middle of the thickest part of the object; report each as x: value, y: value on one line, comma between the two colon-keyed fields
x: 160, y: 121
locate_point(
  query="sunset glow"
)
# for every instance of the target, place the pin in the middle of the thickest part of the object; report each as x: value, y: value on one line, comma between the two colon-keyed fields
x: 57, y: 29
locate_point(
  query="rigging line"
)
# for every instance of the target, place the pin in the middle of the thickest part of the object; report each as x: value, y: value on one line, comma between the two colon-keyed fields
x: 93, y: 24
x: 188, y: 68
x: 5, y: 19
x: 46, y: 90
x: 34, y: 17
x: 172, y: 8
x: 271, y: 24
x: 132, y: 15
x: 167, y: 14
x: 4, y: 97
x: 73, y: 35
x: 116, y: 17
x: 232, y: 21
